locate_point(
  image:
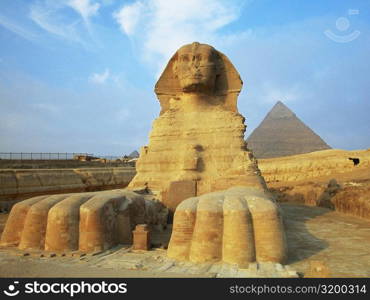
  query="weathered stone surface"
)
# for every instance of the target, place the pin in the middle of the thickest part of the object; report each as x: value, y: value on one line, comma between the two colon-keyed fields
x: 199, y: 135
x: 19, y: 184
x: 87, y: 222
x: 12, y: 233
x: 177, y: 192
x: 238, y: 226
x: 282, y: 133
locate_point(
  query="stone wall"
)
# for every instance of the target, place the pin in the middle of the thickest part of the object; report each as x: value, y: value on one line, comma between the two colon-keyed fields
x: 20, y: 184
x: 58, y: 164
x: 312, y: 165
x: 323, y: 178
x: 350, y: 197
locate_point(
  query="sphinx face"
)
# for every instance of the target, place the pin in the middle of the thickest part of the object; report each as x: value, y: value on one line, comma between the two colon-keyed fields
x: 196, y: 67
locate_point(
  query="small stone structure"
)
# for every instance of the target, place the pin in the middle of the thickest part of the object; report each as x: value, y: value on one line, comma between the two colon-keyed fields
x: 141, y: 237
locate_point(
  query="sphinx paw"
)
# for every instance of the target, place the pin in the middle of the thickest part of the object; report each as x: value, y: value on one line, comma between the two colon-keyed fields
x: 238, y: 226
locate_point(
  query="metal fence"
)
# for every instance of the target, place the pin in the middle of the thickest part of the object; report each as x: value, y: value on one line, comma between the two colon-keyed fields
x: 40, y: 155
x: 109, y: 157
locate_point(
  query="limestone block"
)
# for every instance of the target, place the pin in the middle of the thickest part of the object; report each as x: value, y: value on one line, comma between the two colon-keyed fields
x: 141, y: 237
x: 27, y: 179
x: 179, y: 191
x: 8, y: 183
x: 239, y: 226
x: 58, y: 179
x: 96, y: 176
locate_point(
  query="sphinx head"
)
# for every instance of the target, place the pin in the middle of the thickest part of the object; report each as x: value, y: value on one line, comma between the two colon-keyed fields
x: 199, y: 69
x: 196, y: 68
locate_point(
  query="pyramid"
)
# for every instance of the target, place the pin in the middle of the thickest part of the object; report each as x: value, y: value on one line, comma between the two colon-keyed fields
x: 282, y: 133
x: 134, y: 154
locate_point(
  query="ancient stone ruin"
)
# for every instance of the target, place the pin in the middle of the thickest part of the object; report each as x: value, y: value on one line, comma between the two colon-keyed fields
x: 196, y: 165
x: 197, y: 147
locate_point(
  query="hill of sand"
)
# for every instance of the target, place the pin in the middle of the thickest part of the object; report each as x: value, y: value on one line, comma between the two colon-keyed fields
x: 282, y: 133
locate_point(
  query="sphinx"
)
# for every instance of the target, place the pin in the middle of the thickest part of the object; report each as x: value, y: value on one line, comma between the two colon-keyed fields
x: 196, y: 169
x: 199, y: 166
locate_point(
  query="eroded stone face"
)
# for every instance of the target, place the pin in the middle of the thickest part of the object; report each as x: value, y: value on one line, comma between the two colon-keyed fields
x: 196, y: 68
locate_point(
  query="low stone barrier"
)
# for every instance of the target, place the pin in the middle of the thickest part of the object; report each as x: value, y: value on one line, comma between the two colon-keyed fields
x: 328, y: 178
x: 20, y: 184
x: 311, y: 166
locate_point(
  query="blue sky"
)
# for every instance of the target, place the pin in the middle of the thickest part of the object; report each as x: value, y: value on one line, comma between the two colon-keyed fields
x: 78, y: 75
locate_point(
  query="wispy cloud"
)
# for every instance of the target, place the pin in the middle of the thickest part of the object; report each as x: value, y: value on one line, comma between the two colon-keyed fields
x: 100, y: 78
x: 17, y: 29
x: 129, y: 16
x: 158, y: 27
x: 85, y: 8
x: 52, y: 17
x: 45, y: 15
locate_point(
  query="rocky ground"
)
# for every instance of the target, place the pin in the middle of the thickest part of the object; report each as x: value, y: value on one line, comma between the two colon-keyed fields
x: 340, y: 241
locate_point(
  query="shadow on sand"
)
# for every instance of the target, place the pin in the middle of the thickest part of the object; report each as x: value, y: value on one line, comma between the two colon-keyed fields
x: 301, y: 243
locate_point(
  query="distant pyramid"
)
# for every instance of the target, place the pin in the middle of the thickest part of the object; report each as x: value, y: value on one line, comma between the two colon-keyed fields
x: 134, y: 154
x: 282, y: 133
